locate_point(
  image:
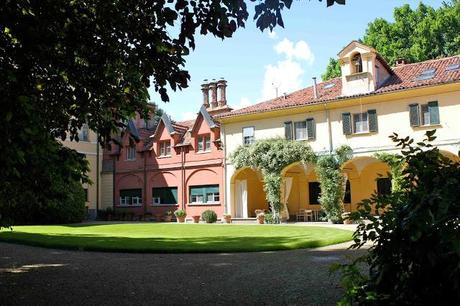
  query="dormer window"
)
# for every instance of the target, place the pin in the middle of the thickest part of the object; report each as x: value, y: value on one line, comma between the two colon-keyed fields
x: 357, y: 63
x: 131, y: 153
x: 165, y: 148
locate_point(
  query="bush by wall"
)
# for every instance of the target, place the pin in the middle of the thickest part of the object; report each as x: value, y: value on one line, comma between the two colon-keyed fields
x: 209, y: 216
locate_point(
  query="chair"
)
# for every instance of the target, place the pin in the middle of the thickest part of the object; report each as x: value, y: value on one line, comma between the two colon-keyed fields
x: 300, y: 215
x: 308, y: 214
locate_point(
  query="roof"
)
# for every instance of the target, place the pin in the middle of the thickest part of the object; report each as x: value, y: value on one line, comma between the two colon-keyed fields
x: 403, y: 78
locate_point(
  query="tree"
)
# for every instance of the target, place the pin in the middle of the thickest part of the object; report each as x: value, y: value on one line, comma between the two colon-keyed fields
x: 414, y: 255
x: 415, y: 35
x: 332, y: 70
x: 63, y: 64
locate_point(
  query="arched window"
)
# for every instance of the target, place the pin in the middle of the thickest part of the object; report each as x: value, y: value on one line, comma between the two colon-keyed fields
x: 357, y: 63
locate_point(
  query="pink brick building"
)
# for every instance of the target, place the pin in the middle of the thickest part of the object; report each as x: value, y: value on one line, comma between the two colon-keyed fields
x: 179, y: 165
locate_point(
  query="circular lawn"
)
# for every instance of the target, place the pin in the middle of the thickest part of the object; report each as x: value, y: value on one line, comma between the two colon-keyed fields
x: 175, y: 238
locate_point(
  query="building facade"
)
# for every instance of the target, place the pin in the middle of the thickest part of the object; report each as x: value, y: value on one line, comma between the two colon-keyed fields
x: 361, y: 109
x: 179, y: 165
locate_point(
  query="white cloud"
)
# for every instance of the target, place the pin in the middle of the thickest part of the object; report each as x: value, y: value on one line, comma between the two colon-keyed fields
x: 244, y: 102
x: 285, y: 75
x: 298, y: 51
x: 272, y: 34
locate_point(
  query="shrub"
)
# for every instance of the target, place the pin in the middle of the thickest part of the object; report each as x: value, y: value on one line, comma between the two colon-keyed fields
x: 269, y: 218
x: 209, y: 216
x: 180, y: 213
x: 415, y: 253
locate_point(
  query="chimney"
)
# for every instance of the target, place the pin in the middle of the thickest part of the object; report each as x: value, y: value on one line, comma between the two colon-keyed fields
x: 213, y: 88
x: 205, y: 90
x: 315, y: 89
x: 400, y: 62
x: 222, y: 85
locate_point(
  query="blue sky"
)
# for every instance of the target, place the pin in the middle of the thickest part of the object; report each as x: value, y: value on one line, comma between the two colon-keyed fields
x: 254, y: 63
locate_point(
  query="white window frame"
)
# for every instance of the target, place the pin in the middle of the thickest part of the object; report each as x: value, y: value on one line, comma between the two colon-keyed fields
x: 156, y: 201
x: 194, y: 199
x: 136, y: 201
x: 124, y: 201
x: 165, y: 148
x: 425, y: 121
x: 203, y: 143
x: 362, y: 128
x: 215, y: 197
x: 131, y: 153
x: 304, y: 130
x: 247, y: 140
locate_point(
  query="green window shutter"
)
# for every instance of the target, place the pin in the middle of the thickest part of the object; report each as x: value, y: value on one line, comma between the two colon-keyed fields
x: 288, y: 130
x: 311, y: 129
x: 373, y: 122
x: 414, y: 115
x: 434, y: 112
x: 211, y: 189
x: 196, y: 191
x: 346, y: 123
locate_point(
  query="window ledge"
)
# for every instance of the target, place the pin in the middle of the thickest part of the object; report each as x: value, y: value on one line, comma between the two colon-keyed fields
x: 362, y: 134
x: 427, y: 126
x: 164, y: 156
x: 164, y: 205
x: 204, y: 204
x: 203, y: 152
x: 128, y: 206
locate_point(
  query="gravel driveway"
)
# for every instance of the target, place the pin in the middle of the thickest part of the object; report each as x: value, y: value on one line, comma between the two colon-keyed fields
x: 38, y: 276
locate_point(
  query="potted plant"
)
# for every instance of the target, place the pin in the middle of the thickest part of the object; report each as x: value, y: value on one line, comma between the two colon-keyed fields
x: 261, y: 217
x: 209, y: 216
x: 346, y: 218
x: 196, y: 219
x: 168, y: 216
x: 180, y: 215
x: 227, y: 218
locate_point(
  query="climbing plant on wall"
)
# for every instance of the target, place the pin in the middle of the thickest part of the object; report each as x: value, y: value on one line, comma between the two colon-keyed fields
x: 331, y: 178
x: 395, y: 162
x: 271, y: 156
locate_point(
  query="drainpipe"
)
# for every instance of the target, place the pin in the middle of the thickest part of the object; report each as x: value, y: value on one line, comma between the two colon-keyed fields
x: 315, y: 88
x: 184, y: 188
x: 226, y: 210
x: 329, y: 128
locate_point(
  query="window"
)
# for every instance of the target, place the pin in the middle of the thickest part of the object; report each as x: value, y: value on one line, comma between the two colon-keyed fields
x: 453, y: 67
x: 203, y: 143
x: 384, y: 186
x: 425, y: 114
x: 360, y: 123
x: 426, y: 75
x: 347, y: 195
x: 131, y: 153
x: 288, y: 130
x: 165, y: 148
x: 83, y: 135
x: 248, y: 135
x: 300, y: 129
x: 357, y: 63
x: 130, y: 197
x: 164, y: 195
x: 204, y: 194
x: 314, y: 191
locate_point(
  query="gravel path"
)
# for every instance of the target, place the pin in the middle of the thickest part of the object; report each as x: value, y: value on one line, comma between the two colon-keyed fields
x: 38, y: 276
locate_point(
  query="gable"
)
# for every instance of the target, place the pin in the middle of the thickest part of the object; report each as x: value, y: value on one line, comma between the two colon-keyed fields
x: 355, y: 47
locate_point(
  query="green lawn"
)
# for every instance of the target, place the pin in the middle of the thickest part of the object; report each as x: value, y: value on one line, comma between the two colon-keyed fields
x: 175, y: 238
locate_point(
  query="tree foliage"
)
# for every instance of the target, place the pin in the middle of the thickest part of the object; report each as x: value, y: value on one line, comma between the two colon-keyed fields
x: 329, y: 172
x: 67, y: 63
x: 271, y: 156
x: 396, y: 164
x: 415, y: 236
x: 415, y: 35
x: 332, y: 70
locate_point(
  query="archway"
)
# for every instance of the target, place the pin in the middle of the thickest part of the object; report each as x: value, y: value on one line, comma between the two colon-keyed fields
x: 248, y: 193
x: 366, y: 175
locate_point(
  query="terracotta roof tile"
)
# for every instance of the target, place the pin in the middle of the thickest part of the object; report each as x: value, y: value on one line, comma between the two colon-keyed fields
x: 404, y: 77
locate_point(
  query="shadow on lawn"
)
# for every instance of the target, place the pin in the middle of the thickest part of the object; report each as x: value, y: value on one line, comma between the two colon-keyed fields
x: 167, y: 245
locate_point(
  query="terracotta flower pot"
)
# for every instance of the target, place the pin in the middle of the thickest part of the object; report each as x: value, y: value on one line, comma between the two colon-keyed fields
x: 228, y: 219
x: 261, y: 219
x: 196, y: 219
x: 181, y: 219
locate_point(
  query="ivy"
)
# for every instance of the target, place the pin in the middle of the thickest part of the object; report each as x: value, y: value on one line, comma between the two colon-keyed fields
x: 331, y: 178
x: 271, y: 156
x: 395, y: 162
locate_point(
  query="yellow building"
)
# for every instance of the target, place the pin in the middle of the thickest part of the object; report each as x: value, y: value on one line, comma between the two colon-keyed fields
x: 360, y: 109
x: 89, y: 147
